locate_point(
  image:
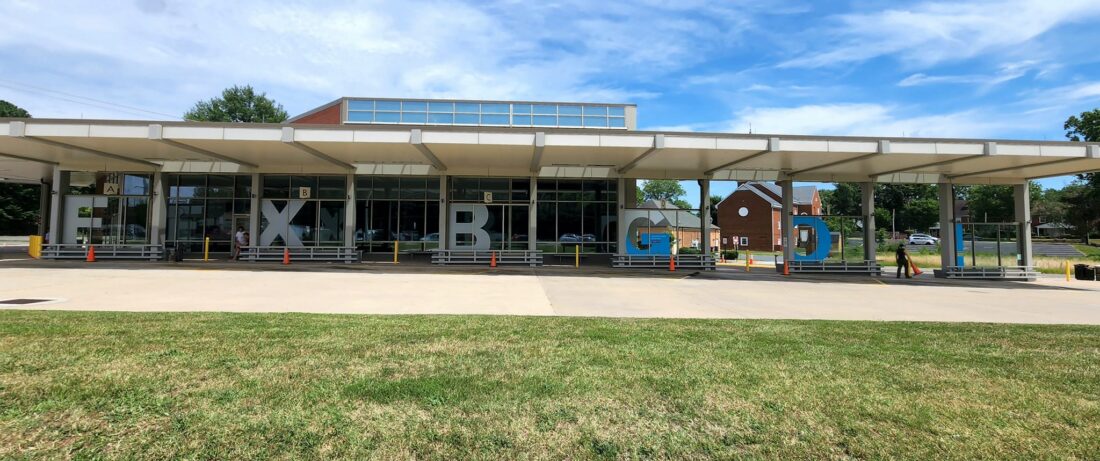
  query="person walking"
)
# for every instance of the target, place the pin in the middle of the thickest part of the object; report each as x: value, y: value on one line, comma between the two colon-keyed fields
x: 239, y: 240
x: 902, y: 258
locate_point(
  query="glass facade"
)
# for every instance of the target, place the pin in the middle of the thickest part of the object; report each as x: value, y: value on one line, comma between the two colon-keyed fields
x: 106, y: 208
x: 300, y: 210
x: 505, y: 203
x: 201, y: 206
x: 403, y: 209
x: 575, y: 212
x: 464, y: 113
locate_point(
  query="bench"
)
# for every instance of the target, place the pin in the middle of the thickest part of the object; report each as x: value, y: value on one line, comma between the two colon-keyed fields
x: 530, y: 258
x: 300, y: 254
x: 704, y: 262
x: 80, y: 251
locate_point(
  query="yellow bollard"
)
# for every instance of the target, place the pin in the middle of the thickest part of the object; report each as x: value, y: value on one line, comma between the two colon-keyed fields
x: 395, y: 251
x: 748, y: 257
x: 1067, y: 270
x: 577, y: 256
x: 206, y: 249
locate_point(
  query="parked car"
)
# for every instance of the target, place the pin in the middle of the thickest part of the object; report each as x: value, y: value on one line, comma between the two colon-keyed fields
x: 923, y: 239
x: 432, y: 237
x: 588, y: 238
x: 570, y: 238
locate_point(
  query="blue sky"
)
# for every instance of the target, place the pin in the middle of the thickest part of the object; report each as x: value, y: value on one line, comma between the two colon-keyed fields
x: 997, y: 69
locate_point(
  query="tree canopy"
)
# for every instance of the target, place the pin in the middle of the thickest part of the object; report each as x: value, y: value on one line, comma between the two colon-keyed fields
x: 8, y: 109
x: 238, y: 104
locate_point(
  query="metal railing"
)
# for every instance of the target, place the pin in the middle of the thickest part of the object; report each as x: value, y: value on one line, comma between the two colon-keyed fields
x: 80, y: 251
x: 704, y: 262
x: 991, y: 273
x: 485, y: 257
x: 865, y: 267
x: 297, y: 254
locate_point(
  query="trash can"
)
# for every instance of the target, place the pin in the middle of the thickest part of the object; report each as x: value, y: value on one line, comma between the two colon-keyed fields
x: 1084, y: 272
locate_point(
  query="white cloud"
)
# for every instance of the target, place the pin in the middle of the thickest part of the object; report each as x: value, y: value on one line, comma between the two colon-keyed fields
x: 933, y: 32
x: 1007, y: 72
x: 868, y: 119
x: 165, y: 55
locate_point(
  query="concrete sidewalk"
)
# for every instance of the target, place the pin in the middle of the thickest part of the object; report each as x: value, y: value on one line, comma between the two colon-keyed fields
x: 382, y: 289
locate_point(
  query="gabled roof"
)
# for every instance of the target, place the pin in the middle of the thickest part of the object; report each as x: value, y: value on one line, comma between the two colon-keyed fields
x: 672, y: 215
x: 803, y: 195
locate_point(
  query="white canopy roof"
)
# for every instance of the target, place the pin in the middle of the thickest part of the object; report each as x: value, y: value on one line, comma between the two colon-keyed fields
x: 30, y: 147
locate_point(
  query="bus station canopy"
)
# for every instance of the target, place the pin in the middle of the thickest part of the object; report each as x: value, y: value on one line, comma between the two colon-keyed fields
x: 31, y: 148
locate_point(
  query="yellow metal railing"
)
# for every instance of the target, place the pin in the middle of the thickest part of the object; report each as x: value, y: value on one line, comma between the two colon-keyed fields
x: 34, y: 246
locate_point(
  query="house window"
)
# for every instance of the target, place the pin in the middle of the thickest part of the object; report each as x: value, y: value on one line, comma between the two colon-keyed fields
x: 744, y: 241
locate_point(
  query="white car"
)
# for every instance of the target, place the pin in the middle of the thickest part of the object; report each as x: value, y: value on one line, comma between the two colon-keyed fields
x: 923, y: 239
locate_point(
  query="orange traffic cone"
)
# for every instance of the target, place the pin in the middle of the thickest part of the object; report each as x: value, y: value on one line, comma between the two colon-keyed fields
x: 91, y: 254
x: 916, y: 270
x: 786, y: 268
x: 671, y: 263
x: 493, y: 260
x: 751, y: 262
x: 286, y: 256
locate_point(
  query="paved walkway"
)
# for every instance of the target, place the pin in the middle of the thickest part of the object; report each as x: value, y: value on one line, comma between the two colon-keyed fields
x: 411, y: 289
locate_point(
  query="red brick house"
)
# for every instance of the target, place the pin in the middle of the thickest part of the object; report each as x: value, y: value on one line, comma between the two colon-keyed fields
x: 749, y: 218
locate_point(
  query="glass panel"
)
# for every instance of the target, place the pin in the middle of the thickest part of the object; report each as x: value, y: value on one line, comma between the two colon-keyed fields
x: 170, y: 227
x: 595, y: 122
x: 190, y: 185
x: 330, y: 224
x: 297, y: 182
x: 569, y: 190
x: 494, y: 108
x: 219, y: 186
x: 431, y: 225
x: 136, y: 220
x: 569, y: 110
x: 412, y: 188
x: 521, y: 108
x: 545, y: 120
x: 441, y: 118
x: 135, y: 184
x: 304, y: 224
x: 495, y: 226
x: 521, y: 190
x: 441, y: 107
x: 242, y: 206
x: 388, y: 105
x: 276, y: 186
x: 359, y: 104
x: 595, y: 110
x: 466, y: 119
x: 382, y: 220
x: 616, y: 111
x: 363, y: 187
x: 569, y: 223
x: 243, y: 187
x: 189, y: 226
x: 331, y: 187
x: 497, y: 186
x: 218, y: 223
x: 431, y: 188
x: 545, y: 109
x: 521, y: 120
x: 385, y: 187
x: 617, y: 122
x: 414, y: 106
x: 569, y: 121
x: 518, y: 227
x: 387, y: 117
x: 464, y: 189
x: 467, y: 107
x: 360, y: 116
x: 494, y: 119
x: 414, y: 117
x: 547, y: 190
x: 411, y: 220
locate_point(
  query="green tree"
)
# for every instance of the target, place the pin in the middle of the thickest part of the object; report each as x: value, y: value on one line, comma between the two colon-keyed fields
x: 18, y: 202
x: 8, y: 109
x: 238, y: 104
x: 661, y: 189
x: 1083, y: 203
x: 714, y: 199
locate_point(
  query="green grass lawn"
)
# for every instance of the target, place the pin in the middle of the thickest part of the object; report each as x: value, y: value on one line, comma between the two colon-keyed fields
x: 290, y: 386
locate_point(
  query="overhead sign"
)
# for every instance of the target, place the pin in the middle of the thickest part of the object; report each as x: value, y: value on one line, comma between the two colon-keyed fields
x: 303, y: 192
x: 110, y: 188
x: 488, y: 197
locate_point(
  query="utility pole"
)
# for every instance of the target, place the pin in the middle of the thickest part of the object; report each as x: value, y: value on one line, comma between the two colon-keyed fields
x: 893, y: 222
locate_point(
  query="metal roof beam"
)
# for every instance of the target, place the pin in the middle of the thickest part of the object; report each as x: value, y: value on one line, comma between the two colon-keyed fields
x: 288, y: 139
x: 883, y: 148
x: 773, y: 146
x: 18, y: 130
x: 1015, y: 167
x: 536, y: 155
x: 29, y: 159
x: 156, y: 133
x: 658, y: 144
x: 416, y: 138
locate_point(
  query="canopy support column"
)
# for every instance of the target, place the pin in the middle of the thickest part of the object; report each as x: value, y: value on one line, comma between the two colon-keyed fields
x: 627, y: 193
x: 786, y: 215
x: 532, y: 214
x: 44, y: 207
x: 704, y: 215
x: 948, y: 254
x: 57, y: 200
x: 1022, y: 195
x: 254, y: 210
x: 159, y: 218
x: 349, y: 212
x: 869, y: 245
x: 444, y: 214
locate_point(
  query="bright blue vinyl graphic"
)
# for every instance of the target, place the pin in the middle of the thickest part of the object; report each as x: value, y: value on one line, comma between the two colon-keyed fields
x: 652, y: 244
x: 824, y: 238
x: 959, y: 251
